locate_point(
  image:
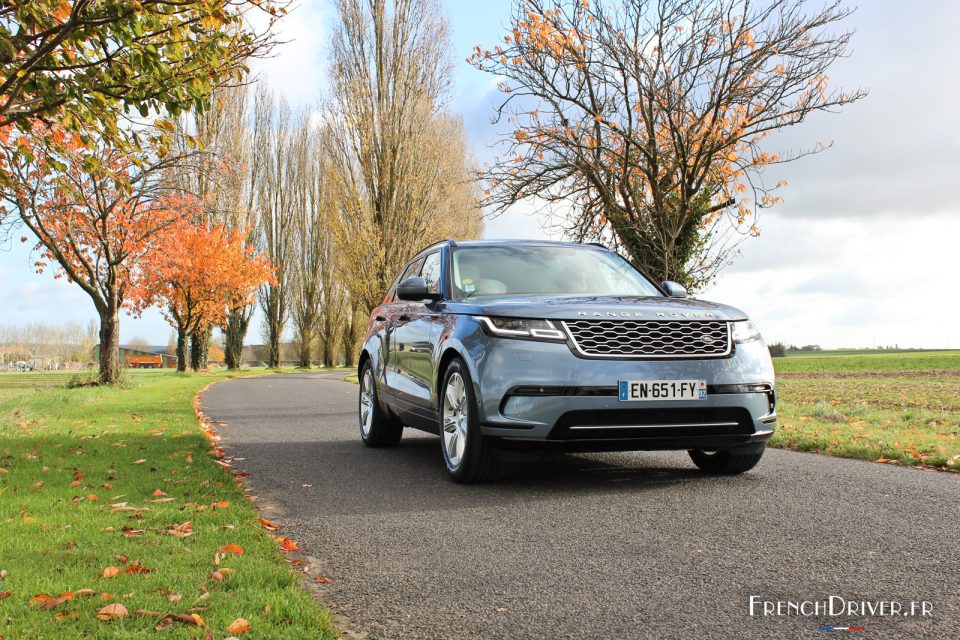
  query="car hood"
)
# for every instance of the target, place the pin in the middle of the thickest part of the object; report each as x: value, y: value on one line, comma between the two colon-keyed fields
x: 611, y: 308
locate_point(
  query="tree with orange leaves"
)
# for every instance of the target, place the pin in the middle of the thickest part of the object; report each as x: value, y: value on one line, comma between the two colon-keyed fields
x: 647, y: 120
x: 197, y: 274
x: 93, y: 212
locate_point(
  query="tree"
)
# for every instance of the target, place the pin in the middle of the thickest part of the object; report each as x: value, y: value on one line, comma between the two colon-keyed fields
x: 197, y: 273
x: 312, y: 282
x: 275, y: 199
x: 647, y: 120
x: 223, y: 177
x: 400, y: 158
x: 94, y: 214
x: 85, y: 63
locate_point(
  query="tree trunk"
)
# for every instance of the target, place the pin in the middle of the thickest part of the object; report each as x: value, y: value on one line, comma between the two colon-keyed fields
x: 350, y: 339
x: 305, y: 345
x: 234, y: 335
x: 181, y: 350
x: 200, y: 349
x: 109, y: 347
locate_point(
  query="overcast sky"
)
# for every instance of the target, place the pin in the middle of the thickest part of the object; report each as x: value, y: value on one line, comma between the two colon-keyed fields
x: 862, y: 252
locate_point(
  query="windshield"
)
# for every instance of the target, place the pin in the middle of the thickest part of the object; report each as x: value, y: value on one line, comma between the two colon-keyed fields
x: 544, y: 269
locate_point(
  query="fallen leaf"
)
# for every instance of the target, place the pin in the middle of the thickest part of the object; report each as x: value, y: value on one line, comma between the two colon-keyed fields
x: 321, y: 580
x: 269, y: 525
x: 135, y: 569
x: 223, y: 504
x: 111, y: 572
x: 113, y: 612
x: 4, y: 595
x: 158, y: 494
x: 54, y: 603
x: 40, y: 598
x: 232, y: 548
x: 140, y: 461
x: 191, y: 619
x: 881, y: 460
x: 287, y: 544
x: 122, y: 559
x: 84, y: 593
x: 239, y: 627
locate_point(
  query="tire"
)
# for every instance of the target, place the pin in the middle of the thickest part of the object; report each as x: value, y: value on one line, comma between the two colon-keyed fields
x: 376, y: 428
x: 730, y: 463
x: 468, y: 456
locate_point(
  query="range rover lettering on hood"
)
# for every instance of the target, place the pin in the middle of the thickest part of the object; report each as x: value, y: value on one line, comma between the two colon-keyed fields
x: 640, y: 314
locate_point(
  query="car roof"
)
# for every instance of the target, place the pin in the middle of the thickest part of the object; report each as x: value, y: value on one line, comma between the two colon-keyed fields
x: 511, y: 243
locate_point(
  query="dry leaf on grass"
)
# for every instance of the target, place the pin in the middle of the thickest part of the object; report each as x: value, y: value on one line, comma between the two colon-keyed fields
x: 111, y: 572
x: 287, y: 544
x: 112, y: 612
x: 239, y: 627
x: 232, y: 548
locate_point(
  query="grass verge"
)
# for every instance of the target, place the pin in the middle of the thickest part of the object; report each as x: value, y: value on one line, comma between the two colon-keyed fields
x: 102, y: 481
x: 901, y: 408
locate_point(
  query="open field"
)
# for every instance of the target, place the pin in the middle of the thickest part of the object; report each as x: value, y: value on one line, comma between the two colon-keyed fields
x: 101, y: 481
x: 828, y: 361
x: 898, y: 407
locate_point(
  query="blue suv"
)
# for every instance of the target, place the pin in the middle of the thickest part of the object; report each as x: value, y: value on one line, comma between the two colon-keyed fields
x: 507, y: 345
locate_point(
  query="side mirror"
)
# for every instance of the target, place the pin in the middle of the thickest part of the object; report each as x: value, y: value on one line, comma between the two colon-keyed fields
x: 674, y: 289
x: 415, y: 289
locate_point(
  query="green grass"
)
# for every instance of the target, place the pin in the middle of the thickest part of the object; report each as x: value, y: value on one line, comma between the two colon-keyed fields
x: 875, y: 361
x: 67, y: 455
x: 908, y: 413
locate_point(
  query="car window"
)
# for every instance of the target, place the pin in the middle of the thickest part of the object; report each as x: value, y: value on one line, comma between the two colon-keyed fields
x: 431, y: 272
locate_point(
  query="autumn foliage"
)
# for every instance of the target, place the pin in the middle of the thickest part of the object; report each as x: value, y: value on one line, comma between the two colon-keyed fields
x: 647, y: 121
x: 196, y: 274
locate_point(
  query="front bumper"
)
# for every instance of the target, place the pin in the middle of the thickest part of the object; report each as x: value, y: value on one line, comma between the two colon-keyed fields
x: 539, y: 394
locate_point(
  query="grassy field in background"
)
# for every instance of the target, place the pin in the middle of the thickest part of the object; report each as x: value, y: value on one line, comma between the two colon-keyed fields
x: 122, y: 480
x: 870, y: 361
x: 901, y: 408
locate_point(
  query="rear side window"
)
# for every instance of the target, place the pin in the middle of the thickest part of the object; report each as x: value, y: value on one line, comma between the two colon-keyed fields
x: 431, y: 272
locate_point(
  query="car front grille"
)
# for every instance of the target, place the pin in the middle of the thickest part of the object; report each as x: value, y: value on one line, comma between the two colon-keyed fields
x: 650, y: 338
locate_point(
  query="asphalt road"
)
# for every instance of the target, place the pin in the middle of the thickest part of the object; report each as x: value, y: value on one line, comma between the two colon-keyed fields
x: 637, y: 545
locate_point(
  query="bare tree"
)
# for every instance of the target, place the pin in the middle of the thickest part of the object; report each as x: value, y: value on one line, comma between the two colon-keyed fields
x: 273, y: 140
x: 644, y: 121
x: 400, y: 158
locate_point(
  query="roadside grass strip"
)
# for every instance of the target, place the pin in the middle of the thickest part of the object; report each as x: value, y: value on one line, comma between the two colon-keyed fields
x: 119, y: 520
x: 886, y: 412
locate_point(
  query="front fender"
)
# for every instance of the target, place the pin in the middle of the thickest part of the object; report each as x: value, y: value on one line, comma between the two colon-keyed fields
x: 465, y: 338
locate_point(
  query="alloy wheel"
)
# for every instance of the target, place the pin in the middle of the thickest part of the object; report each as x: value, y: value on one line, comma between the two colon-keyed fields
x: 366, y: 403
x: 455, y: 420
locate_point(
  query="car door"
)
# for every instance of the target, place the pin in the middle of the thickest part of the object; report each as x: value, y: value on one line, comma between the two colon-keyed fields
x: 414, y: 333
x: 392, y: 311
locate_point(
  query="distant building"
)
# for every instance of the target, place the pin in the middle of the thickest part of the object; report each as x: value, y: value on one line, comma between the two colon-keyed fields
x: 140, y: 359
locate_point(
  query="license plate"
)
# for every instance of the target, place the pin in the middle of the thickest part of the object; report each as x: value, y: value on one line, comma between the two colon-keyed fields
x: 639, y: 390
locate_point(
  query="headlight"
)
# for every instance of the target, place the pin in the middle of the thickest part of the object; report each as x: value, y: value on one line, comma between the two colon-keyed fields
x: 745, y: 331
x: 522, y: 328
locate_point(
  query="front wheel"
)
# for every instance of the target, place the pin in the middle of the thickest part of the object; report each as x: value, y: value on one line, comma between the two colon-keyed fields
x: 469, y: 457
x: 731, y: 462
x: 376, y: 428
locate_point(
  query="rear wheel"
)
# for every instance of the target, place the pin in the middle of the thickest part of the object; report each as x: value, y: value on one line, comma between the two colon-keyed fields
x: 376, y: 428
x: 726, y: 462
x: 469, y: 457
